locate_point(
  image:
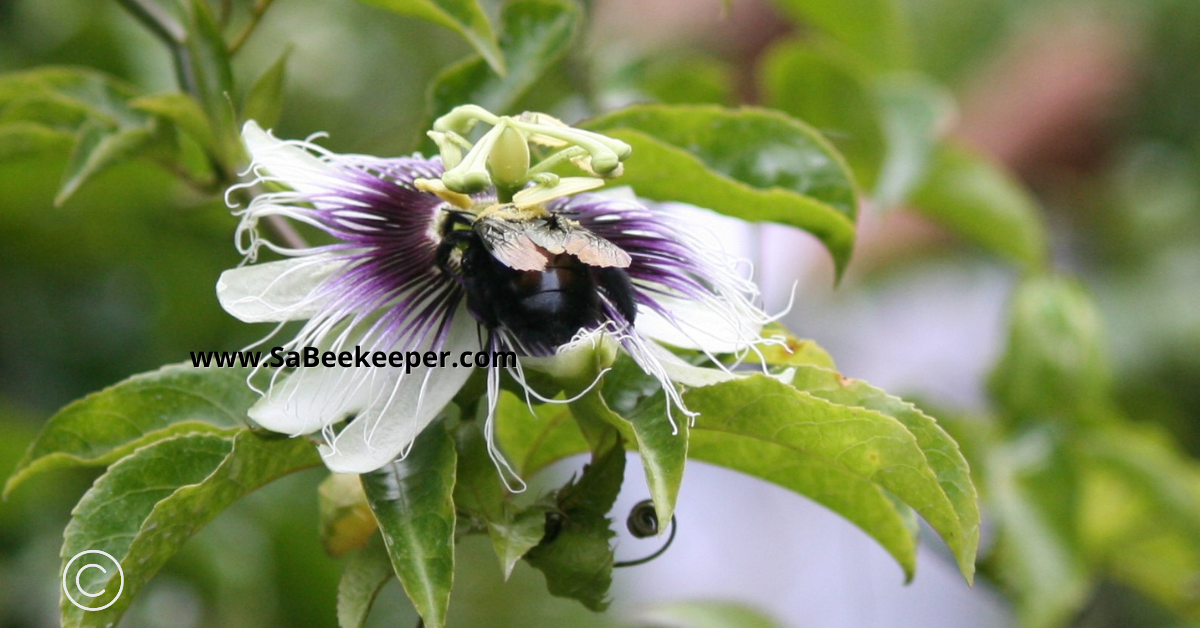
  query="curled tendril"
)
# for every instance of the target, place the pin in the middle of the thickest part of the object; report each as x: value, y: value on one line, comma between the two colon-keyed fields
x: 642, y: 523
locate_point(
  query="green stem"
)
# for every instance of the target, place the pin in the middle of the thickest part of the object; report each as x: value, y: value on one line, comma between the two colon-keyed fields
x: 505, y: 194
x: 256, y: 15
x: 158, y: 21
x: 553, y: 160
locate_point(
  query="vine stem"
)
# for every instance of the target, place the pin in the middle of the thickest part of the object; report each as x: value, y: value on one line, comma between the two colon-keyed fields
x: 158, y: 21
x: 256, y: 14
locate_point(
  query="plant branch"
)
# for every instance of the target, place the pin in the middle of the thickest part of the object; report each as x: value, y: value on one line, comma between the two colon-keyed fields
x: 256, y: 14
x: 158, y: 21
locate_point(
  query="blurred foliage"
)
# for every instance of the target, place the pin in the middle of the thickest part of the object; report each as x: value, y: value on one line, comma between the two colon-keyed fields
x: 1083, y: 461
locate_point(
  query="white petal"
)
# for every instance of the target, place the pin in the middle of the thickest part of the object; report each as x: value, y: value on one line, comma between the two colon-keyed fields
x: 585, y: 355
x: 276, y: 291
x: 313, y: 397
x: 394, y: 417
x: 286, y: 161
x: 715, y: 328
x: 687, y: 374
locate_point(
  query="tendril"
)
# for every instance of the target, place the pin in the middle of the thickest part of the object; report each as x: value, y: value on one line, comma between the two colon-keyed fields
x: 642, y: 523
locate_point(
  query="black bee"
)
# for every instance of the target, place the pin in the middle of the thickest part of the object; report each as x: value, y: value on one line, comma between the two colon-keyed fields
x: 538, y: 275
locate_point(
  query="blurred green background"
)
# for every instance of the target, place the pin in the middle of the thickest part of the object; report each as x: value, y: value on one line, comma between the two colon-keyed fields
x: 1094, y: 104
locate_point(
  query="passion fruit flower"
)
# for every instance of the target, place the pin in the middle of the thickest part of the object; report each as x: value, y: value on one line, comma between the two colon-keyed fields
x: 392, y: 280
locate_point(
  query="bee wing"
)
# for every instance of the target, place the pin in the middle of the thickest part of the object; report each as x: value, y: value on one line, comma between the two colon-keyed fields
x: 590, y: 248
x: 512, y: 243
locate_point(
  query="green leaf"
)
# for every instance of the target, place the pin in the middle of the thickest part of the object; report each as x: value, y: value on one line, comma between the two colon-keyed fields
x: 365, y: 574
x: 875, y: 30
x: 818, y: 87
x: 97, y: 148
x: 18, y: 139
x: 863, y: 442
x: 1032, y: 493
x: 518, y: 533
x: 149, y: 503
x: 792, y: 351
x: 264, y: 101
x: 942, y: 453
x: 465, y: 17
x: 54, y: 110
x: 752, y: 164
x: 479, y: 494
x: 576, y: 555
x: 346, y: 522
x: 915, y: 112
x: 94, y: 107
x: 857, y: 499
x: 206, y: 74
x: 704, y: 614
x: 688, y: 77
x: 981, y: 202
x: 108, y: 424
x: 97, y: 96
x: 533, y: 441
x: 1056, y: 364
x: 183, y: 111
x: 1148, y: 461
x: 536, y: 34
x: 661, y: 443
x: 413, y: 501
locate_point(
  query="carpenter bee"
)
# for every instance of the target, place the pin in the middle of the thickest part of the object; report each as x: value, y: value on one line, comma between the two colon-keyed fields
x: 538, y: 275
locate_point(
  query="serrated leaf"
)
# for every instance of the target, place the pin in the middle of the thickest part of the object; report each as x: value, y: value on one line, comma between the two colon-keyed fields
x: 108, y: 424
x: 752, y: 164
x: 465, y: 17
x: 832, y: 95
x: 346, y: 522
x: 533, y: 441
x: 264, y: 101
x: 518, y: 533
x: 363, y: 577
x: 480, y: 495
x: 941, y: 452
x: 150, y: 502
x: 981, y: 202
x: 875, y: 30
x: 96, y: 148
x: 536, y: 34
x: 576, y: 555
x: 857, y: 499
x: 863, y: 442
x: 915, y: 113
x: 703, y: 614
x: 413, y: 501
x: 184, y: 112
